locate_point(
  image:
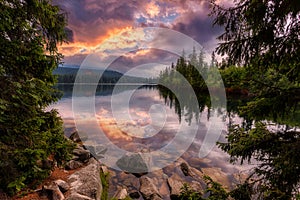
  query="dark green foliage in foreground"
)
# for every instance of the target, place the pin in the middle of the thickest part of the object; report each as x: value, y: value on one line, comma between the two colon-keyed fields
x: 278, y: 173
x: 264, y: 38
x: 235, y: 77
x: 29, y: 135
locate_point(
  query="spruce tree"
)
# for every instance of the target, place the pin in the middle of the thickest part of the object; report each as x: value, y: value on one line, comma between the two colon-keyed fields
x: 30, y: 135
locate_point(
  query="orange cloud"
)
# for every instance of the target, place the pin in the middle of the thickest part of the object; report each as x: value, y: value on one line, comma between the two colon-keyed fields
x: 138, y: 53
x: 152, y: 9
x: 74, y: 48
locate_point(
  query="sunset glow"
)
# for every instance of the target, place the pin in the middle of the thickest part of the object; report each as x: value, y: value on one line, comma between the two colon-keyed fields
x: 104, y: 25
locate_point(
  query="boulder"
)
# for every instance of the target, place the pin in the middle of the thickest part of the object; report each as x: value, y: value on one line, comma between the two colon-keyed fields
x: 134, y: 164
x: 148, y: 189
x: 76, y: 196
x: 53, y: 191
x: 98, y: 151
x: 121, y: 193
x: 164, y: 190
x: 82, y: 154
x: 175, y: 184
x: 63, y: 185
x: 73, y: 164
x: 86, y: 182
x: 78, y: 138
x: 160, y: 180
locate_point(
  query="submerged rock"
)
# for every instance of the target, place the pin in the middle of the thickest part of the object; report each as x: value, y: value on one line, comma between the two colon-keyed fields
x: 98, y: 151
x: 133, y: 163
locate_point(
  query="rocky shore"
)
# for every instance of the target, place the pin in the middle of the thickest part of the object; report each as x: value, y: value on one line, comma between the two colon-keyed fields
x: 86, y: 182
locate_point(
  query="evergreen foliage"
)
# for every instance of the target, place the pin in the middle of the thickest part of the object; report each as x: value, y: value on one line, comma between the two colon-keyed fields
x: 194, y: 69
x: 29, y: 135
x: 213, y: 191
x: 263, y: 37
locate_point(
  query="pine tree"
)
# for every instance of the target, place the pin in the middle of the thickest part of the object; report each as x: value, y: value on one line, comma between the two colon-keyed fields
x: 264, y: 37
x: 29, y: 135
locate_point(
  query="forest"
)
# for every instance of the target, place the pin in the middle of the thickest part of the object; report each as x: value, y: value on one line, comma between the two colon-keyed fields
x: 261, y: 47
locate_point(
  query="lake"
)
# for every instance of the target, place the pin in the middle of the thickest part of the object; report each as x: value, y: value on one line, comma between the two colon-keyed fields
x: 134, y: 119
x: 149, y: 119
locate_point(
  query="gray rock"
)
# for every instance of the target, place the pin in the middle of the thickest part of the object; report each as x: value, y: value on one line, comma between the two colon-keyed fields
x: 73, y: 164
x: 133, y: 163
x: 83, y: 155
x: 196, y: 186
x: 98, y: 151
x: 77, y: 138
x: 121, y: 193
x: 53, y: 191
x: 76, y: 196
x: 148, y: 189
x: 63, y: 185
x: 86, y: 181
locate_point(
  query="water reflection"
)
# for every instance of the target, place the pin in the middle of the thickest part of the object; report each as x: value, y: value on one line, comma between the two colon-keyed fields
x: 135, y: 134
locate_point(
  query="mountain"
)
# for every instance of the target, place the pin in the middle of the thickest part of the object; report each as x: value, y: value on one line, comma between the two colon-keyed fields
x: 67, y: 74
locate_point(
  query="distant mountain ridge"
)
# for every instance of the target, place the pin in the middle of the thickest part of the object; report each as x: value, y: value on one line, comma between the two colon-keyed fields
x: 68, y: 73
x: 73, y: 70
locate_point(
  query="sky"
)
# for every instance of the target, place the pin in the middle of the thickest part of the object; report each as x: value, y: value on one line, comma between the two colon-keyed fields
x: 117, y: 30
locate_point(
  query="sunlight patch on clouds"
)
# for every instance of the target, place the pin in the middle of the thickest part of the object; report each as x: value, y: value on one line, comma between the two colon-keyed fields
x: 140, y: 52
x: 115, y: 39
x: 124, y: 39
x: 152, y: 9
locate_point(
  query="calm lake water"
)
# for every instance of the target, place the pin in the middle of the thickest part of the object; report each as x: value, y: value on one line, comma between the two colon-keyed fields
x: 149, y: 120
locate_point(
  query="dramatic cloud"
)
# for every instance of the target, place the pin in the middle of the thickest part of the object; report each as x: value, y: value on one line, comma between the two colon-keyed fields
x: 199, y: 27
x: 92, y: 21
